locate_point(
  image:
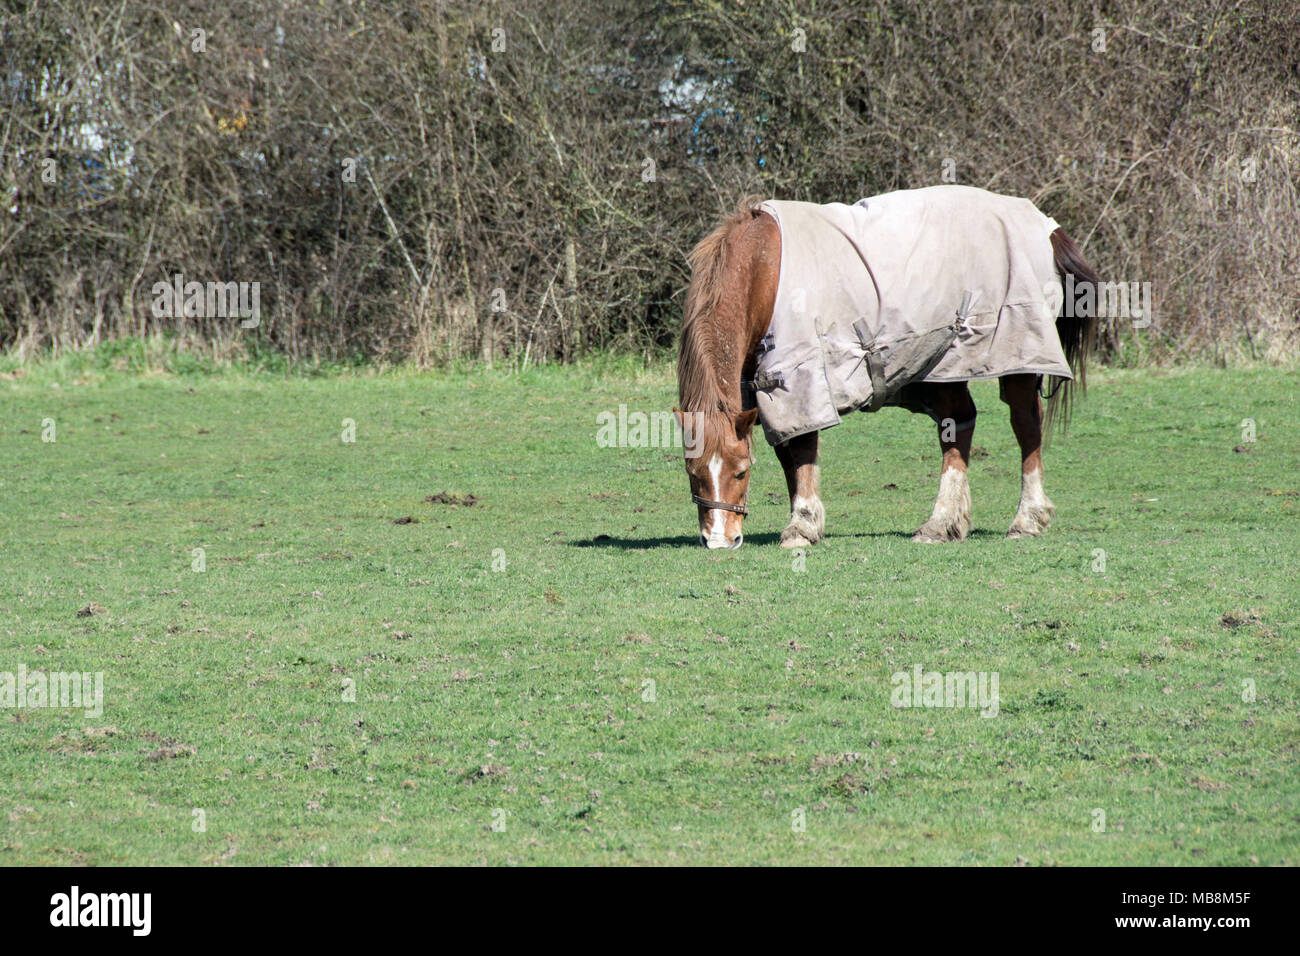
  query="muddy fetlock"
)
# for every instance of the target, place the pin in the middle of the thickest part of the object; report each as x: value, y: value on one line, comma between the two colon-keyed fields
x: 807, y: 523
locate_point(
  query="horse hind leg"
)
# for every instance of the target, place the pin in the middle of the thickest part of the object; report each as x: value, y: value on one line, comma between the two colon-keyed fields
x: 1035, y: 511
x: 807, y: 523
x: 955, y: 411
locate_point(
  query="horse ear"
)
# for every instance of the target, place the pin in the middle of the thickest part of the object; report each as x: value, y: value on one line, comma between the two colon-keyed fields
x: 745, y: 422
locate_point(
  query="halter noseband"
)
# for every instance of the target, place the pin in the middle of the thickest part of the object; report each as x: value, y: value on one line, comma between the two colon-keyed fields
x: 720, y: 505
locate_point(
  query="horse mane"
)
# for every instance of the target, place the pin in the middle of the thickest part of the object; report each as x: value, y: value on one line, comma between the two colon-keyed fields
x: 697, y: 384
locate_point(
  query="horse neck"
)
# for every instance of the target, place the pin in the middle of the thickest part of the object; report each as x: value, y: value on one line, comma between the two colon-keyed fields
x: 736, y: 329
x: 731, y: 329
x: 756, y: 286
x: 727, y: 358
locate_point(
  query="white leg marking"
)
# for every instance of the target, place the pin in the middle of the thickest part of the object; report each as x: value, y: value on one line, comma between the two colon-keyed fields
x: 807, y: 518
x: 1036, y: 510
x: 950, y: 520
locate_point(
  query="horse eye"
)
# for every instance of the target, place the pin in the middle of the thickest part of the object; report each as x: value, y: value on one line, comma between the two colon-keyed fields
x: 742, y: 473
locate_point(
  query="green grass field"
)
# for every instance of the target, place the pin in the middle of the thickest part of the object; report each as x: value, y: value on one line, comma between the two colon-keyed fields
x: 557, y: 673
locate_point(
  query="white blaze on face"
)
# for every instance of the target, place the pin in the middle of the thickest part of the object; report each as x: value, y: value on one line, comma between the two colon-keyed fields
x: 719, y: 529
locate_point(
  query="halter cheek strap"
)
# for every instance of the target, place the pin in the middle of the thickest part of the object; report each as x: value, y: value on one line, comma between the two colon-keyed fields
x: 720, y: 505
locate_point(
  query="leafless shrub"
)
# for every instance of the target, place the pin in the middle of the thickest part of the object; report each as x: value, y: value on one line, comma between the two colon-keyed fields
x: 521, y: 182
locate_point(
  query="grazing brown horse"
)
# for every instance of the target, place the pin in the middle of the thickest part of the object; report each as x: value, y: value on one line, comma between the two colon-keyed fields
x: 729, y: 307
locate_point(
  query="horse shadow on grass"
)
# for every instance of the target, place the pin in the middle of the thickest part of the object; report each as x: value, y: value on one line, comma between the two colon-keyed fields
x: 762, y: 538
x: 678, y: 541
x: 974, y: 533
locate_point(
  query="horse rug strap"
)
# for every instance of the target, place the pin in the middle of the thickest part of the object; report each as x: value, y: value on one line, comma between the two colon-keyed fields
x: 943, y: 284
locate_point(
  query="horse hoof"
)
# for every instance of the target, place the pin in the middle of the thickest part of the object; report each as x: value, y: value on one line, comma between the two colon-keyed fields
x: 931, y: 533
x: 794, y: 540
x: 1032, y: 523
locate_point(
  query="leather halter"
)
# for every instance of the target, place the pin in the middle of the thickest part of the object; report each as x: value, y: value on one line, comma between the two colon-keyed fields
x: 740, y: 509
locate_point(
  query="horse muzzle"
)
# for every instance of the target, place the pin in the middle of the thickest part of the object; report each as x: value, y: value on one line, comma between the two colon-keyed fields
x: 715, y: 541
x: 716, y: 537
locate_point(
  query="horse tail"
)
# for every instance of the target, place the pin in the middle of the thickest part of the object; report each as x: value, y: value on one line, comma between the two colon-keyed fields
x: 1077, y: 327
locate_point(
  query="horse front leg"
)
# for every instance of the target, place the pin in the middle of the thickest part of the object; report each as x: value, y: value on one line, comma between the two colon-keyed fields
x: 807, y: 522
x: 1035, y: 511
x: 950, y: 519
